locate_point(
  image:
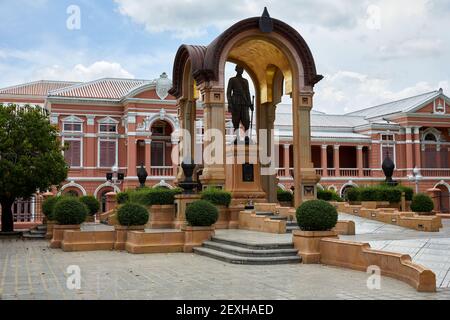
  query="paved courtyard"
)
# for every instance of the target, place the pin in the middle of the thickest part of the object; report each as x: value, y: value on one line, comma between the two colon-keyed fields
x: 30, y: 270
x: 430, y: 249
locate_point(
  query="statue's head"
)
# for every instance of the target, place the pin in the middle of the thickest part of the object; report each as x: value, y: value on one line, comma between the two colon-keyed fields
x: 239, y: 70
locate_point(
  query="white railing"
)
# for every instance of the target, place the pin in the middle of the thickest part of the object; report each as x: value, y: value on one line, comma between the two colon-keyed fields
x: 435, y: 172
x: 349, y: 172
x: 162, y: 171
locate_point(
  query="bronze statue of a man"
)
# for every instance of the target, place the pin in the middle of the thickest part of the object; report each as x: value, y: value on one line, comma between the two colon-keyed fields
x: 239, y: 102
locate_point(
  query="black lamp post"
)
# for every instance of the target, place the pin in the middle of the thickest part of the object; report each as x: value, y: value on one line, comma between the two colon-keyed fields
x: 115, y: 176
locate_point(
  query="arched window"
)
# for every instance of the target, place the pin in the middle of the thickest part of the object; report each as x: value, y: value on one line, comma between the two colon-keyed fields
x: 72, y: 193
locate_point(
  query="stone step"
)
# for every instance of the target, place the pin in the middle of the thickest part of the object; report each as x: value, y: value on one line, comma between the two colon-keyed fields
x: 31, y: 236
x: 253, y: 246
x: 235, y: 259
x: 291, y: 229
x: 244, y: 252
x: 279, y: 218
x: 267, y: 214
x: 36, y: 231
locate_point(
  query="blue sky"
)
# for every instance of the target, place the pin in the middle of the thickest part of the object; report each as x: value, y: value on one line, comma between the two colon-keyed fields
x: 369, y: 51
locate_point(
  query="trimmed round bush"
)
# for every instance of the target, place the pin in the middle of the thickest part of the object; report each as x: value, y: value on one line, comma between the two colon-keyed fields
x: 48, y: 207
x: 91, y: 203
x: 70, y: 211
x: 217, y: 197
x: 353, y: 194
x: 284, y: 196
x: 131, y: 214
x: 201, y: 214
x: 123, y: 197
x: 422, y: 203
x: 317, y: 215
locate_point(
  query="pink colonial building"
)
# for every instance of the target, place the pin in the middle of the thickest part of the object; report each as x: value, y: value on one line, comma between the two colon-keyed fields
x: 126, y: 123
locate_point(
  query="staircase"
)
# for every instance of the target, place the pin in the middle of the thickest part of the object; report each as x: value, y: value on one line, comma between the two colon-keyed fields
x: 37, y: 233
x: 236, y: 252
x: 290, y: 225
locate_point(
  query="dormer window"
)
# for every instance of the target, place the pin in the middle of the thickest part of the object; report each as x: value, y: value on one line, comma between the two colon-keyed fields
x: 439, y: 106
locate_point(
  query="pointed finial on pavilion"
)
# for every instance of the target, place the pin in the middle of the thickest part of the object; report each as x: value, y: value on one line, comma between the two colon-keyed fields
x: 265, y: 22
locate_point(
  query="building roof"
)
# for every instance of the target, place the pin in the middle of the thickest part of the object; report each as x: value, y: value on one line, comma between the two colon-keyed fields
x: 107, y: 88
x: 404, y: 105
x: 37, y: 88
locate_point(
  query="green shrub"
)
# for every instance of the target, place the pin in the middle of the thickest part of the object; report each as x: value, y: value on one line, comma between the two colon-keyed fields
x: 131, y: 214
x: 409, y: 192
x: 284, y: 196
x: 48, y: 207
x: 151, y: 197
x: 336, y: 197
x: 325, y: 195
x: 70, y: 211
x: 393, y: 195
x: 422, y: 203
x: 123, y: 197
x: 380, y: 193
x: 353, y: 194
x: 217, y: 197
x: 91, y: 203
x: 202, y: 214
x: 317, y: 215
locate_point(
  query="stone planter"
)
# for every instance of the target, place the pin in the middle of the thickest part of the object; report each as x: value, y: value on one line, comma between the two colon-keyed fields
x: 195, y: 236
x: 375, y: 204
x: 58, y: 234
x: 308, y: 244
x: 224, y: 218
x: 50, y: 226
x: 426, y: 213
x: 161, y: 216
x: 121, y: 235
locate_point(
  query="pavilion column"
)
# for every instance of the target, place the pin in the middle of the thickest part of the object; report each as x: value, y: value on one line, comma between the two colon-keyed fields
x: 175, y: 156
x: 337, y: 161
x: 305, y: 177
x: 409, y: 151
x: 214, y: 137
x: 324, y: 161
x: 287, y: 156
x: 181, y: 103
x: 417, y: 148
x: 359, y: 161
x: 148, y: 156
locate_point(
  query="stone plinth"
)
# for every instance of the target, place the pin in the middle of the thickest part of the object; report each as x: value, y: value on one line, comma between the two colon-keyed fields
x: 308, y: 244
x: 58, y: 234
x: 195, y: 236
x: 161, y: 217
x: 182, y: 201
x: 122, y: 234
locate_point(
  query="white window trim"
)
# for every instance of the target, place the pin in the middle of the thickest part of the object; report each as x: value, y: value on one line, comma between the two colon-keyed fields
x: 64, y: 139
x: 394, y: 156
x: 164, y: 151
x: 108, y: 121
x: 99, y: 140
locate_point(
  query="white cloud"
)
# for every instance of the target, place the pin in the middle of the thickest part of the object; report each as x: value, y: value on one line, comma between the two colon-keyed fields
x: 347, y: 91
x: 187, y: 19
x: 80, y: 72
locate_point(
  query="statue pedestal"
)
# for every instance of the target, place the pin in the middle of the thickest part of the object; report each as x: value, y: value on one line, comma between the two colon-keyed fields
x: 243, y: 179
x: 182, y: 201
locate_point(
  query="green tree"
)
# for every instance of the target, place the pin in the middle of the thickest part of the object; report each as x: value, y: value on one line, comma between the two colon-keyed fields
x: 31, y: 158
